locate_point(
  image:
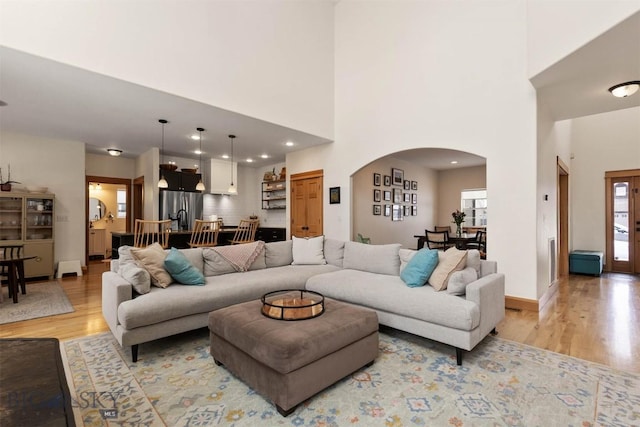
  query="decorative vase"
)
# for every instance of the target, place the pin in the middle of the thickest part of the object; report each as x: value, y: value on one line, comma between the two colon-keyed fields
x: 458, y: 230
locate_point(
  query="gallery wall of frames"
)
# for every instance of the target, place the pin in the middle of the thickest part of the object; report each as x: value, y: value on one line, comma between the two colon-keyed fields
x: 395, y: 195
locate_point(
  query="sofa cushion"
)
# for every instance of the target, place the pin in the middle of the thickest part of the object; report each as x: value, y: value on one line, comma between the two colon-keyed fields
x: 460, y: 279
x: 137, y: 276
x: 179, y: 267
x: 194, y: 255
x: 383, y: 259
x: 334, y: 251
x: 278, y: 254
x: 420, y: 267
x: 175, y: 302
x: 308, y: 250
x: 450, y: 260
x: 390, y: 294
x: 152, y: 259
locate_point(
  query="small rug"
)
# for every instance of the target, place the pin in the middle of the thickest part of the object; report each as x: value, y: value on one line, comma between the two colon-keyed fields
x: 413, y: 382
x: 41, y: 300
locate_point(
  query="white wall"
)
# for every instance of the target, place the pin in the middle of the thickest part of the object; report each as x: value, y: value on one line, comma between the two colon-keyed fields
x: 381, y: 229
x: 58, y: 165
x: 270, y: 60
x: 600, y: 143
x: 148, y: 166
x: 437, y: 74
x: 548, y: 21
x: 109, y: 166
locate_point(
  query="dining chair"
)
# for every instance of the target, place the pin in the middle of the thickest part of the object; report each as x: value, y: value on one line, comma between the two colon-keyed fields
x: 10, y: 251
x: 446, y: 228
x: 147, y: 232
x: 437, y: 240
x: 480, y: 241
x: 246, y: 231
x: 205, y: 233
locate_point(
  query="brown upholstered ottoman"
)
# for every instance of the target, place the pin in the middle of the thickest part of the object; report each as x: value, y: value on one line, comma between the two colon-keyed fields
x: 290, y: 361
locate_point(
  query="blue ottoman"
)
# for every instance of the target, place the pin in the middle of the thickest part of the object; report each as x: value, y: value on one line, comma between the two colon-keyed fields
x: 585, y: 262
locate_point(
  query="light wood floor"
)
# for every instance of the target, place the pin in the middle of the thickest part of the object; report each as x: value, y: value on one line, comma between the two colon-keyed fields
x: 596, y: 319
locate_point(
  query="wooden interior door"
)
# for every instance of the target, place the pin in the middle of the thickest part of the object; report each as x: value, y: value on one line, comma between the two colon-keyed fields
x: 306, y: 204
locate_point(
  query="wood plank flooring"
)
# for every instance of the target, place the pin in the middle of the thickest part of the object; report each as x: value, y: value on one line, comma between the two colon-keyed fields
x: 592, y: 318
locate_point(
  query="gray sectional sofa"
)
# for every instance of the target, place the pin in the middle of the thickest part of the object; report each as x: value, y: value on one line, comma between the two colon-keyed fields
x: 360, y: 274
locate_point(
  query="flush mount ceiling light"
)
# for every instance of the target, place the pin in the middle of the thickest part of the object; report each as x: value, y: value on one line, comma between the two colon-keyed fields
x: 623, y: 90
x: 163, y: 182
x: 114, y: 152
x: 232, y: 188
x: 200, y: 186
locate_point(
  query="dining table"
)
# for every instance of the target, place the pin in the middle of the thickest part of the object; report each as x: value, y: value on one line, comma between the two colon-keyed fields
x: 15, y: 273
x: 460, y: 242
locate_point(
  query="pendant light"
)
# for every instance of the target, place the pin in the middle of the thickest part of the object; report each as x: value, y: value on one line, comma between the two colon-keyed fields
x: 163, y: 182
x: 232, y: 188
x: 200, y: 186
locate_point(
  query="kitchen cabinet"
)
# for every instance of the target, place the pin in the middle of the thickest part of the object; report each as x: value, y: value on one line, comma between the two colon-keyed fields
x: 274, y: 194
x: 181, y: 181
x: 28, y: 219
x: 97, y: 242
x: 218, y: 176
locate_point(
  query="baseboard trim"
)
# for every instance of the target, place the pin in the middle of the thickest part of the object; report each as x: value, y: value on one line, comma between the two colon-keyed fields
x: 516, y: 303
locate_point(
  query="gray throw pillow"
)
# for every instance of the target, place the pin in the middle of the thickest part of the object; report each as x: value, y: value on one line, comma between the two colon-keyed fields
x: 460, y: 279
x: 278, y: 254
x: 137, y: 276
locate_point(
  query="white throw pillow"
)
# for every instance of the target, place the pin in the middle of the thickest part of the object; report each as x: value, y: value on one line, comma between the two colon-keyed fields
x: 460, y: 279
x: 137, y: 276
x: 308, y: 250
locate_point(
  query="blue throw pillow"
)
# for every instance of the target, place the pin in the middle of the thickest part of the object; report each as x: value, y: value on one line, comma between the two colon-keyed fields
x: 179, y: 267
x: 420, y: 267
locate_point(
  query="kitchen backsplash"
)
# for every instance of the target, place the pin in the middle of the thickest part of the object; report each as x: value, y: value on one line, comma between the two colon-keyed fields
x: 232, y: 209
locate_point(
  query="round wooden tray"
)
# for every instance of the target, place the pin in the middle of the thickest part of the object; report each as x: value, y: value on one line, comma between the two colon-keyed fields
x: 292, y: 304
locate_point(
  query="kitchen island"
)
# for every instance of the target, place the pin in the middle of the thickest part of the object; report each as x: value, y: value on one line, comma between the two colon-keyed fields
x: 180, y: 239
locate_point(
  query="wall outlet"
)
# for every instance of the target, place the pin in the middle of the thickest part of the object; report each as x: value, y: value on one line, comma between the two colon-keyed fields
x: 62, y: 218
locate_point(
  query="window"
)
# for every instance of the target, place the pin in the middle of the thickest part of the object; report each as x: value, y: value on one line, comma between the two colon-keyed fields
x: 474, y: 205
x: 121, y: 196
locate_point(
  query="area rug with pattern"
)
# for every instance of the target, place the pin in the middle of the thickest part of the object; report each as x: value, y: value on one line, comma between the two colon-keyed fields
x: 413, y: 382
x: 41, y: 300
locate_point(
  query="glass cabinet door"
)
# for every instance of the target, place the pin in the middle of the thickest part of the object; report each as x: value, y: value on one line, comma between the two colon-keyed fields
x: 10, y: 218
x: 39, y: 219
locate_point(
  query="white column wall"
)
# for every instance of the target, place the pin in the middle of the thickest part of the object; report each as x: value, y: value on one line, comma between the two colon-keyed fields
x: 437, y: 74
x: 272, y: 60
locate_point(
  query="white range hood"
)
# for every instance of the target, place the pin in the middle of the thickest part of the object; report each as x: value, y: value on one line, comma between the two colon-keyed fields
x: 217, y: 176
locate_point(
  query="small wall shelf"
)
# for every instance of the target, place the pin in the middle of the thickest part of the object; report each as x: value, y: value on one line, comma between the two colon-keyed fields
x: 274, y: 194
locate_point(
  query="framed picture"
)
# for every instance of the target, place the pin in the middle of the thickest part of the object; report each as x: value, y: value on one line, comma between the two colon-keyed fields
x: 407, y: 197
x: 377, y: 209
x: 414, y: 211
x: 376, y: 195
x: 414, y: 185
x: 407, y: 184
x: 397, y: 176
x: 387, y: 210
x: 386, y: 195
x: 334, y: 195
x: 407, y: 211
x: 414, y: 198
x: 397, y: 195
x: 376, y: 179
x: 396, y: 213
x: 387, y: 180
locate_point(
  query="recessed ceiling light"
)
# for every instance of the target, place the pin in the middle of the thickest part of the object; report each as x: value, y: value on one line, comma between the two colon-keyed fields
x: 623, y: 90
x: 225, y: 156
x: 249, y: 160
x: 454, y: 162
x: 265, y: 156
x: 289, y: 144
x: 195, y: 137
x: 198, y: 152
x: 114, y: 151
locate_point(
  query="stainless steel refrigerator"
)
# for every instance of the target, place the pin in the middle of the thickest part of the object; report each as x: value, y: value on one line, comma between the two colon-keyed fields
x: 182, y: 207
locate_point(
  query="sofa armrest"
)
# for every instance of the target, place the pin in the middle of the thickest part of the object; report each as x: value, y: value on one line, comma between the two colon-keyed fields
x: 488, y: 293
x: 115, y: 290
